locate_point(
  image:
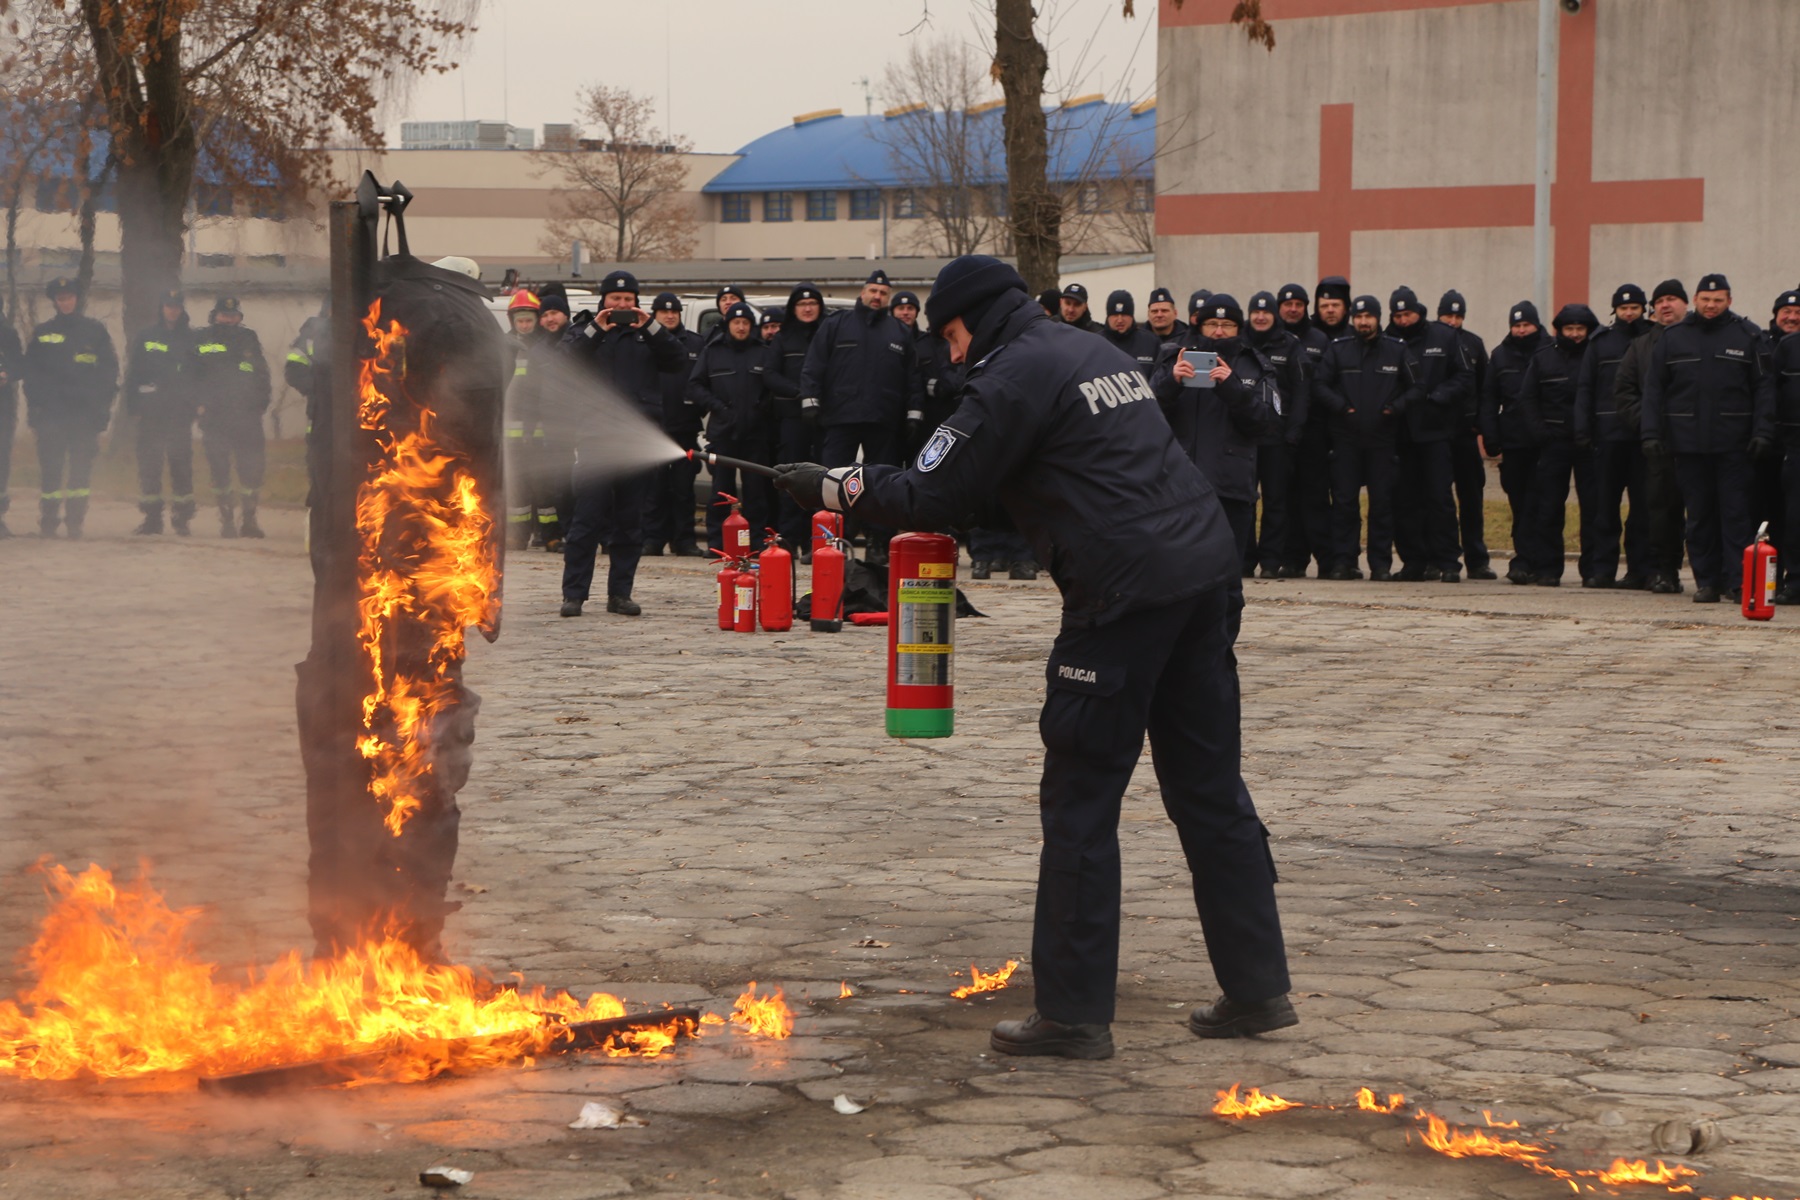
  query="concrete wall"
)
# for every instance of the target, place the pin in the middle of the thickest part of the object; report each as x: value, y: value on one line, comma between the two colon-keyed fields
x: 1444, y: 96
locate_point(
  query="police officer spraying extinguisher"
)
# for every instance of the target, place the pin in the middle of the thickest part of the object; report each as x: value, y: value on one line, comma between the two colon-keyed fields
x: 1061, y: 430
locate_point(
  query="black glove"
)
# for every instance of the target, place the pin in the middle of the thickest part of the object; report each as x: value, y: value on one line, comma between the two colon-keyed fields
x: 1761, y: 449
x: 1583, y: 441
x: 805, y: 482
x: 914, y: 426
x: 1653, y: 448
x: 809, y: 410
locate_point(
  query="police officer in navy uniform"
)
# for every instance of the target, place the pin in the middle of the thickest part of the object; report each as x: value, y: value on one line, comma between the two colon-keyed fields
x: 671, y: 509
x: 1503, y: 432
x: 1075, y: 308
x: 163, y: 404
x: 1709, y: 394
x: 1219, y: 418
x: 1612, y: 438
x: 1060, y: 430
x: 12, y: 365
x: 796, y: 438
x: 733, y: 381
x: 1160, y: 317
x: 628, y: 350
x: 1466, y: 465
x: 1367, y: 382
x: 71, y: 374
x: 1547, y: 398
x: 1664, y: 517
x: 860, y: 380
x: 1309, y: 493
x: 1425, y: 488
x: 1785, y: 362
x: 1123, y: 331
x: 1275, y: 448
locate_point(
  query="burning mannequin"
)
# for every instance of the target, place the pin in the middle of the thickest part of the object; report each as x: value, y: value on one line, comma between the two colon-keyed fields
x: 410, y: 524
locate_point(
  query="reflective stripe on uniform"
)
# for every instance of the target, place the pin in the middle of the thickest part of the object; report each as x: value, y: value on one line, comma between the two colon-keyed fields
x: 518, y: 516
x: 159, y: 347
x: 295, y: 356
x: 77, y: 493
x: 210, y: 348
x: 51, y: 339
x: 250, y: 367
x: 547, y: 518
x: 87, y: 360
x: 519, y: 370
x: 50, y: 495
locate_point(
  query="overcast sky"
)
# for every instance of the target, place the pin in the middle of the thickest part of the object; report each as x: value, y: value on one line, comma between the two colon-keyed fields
x: 724, y: 73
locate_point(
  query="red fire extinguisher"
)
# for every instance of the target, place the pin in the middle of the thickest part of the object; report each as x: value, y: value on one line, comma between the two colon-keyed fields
x: 736, y: 530
x: 727, y: 591
x: 921, y: 635
x: 1759, y: 577
x: 775, y: 586
x: 744, y: 612
x: 827, y: 587
x: 827, y: 526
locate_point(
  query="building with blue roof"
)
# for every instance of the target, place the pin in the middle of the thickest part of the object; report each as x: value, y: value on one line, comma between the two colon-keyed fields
x: 912, y: 181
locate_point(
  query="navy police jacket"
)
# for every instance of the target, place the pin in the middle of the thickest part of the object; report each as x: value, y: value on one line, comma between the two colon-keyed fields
x: 1220, y: 426
x: 1137, y: 342
x: 733, y: 382
x: 1547, y: 394
x: 1787, y: 390
x: 1443, y: 375
x: 1291, y: 361
x: 680, y: 416
x: 1598, y: 414
x: 1502, y: 424
x: 861, y: 369
x: 631, y: 359
x: 1062, y: 432
x: 1367, y: 384
x: 1710, y: 386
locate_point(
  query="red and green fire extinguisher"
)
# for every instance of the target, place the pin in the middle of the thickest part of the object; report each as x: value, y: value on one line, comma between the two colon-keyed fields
x: 921, y: 635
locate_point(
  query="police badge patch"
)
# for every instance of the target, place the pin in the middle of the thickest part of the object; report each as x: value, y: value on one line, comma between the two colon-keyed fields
x: 937, y: 449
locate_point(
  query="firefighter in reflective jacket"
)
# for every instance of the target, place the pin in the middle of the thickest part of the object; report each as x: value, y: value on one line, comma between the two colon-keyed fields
x: 231, y: 384
x: 163, y: 404
x: 71, y: 374
x: 1061, y: 431
x: 521, y: 336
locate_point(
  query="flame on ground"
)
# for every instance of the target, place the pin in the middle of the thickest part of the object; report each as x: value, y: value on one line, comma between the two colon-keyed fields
x: 1366, y: 1101
x: 765, y: 1016
x: 1253, y: 1103
x: 120, y: 993
x: 845, y: 991
x: 1458, y: 1142
x: 982, y: 981
x: 427, y: 572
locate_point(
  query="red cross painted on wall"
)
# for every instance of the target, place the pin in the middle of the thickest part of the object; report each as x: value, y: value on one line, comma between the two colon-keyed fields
x: 1337, y: 209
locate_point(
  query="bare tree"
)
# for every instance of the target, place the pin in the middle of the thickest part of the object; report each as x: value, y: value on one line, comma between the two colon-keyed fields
x: 251, y: 90
x: 620, y: 190
x: 1020, y: 65
x: 943, y: 146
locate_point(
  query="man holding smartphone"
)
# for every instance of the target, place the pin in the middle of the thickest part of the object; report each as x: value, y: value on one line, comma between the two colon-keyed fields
x: 629, y: 352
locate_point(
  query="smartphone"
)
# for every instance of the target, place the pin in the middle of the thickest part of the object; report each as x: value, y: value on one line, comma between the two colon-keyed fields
x: 1204, y: 361
x: 620, y: 316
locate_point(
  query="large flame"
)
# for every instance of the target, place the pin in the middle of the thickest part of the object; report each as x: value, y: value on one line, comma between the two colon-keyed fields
x: 1252, y: 1104
x: 119, y: 992
x: 427, y: 568
x: 985, y: 981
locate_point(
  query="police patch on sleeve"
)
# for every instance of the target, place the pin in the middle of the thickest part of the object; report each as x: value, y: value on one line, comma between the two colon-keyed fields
x: 937, y: 449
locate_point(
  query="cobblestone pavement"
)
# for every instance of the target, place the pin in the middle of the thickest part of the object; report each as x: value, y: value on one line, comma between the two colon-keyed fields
x: 1537, y: 852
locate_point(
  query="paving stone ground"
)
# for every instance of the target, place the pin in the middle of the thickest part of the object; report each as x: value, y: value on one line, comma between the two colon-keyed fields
x: 1537, y: 850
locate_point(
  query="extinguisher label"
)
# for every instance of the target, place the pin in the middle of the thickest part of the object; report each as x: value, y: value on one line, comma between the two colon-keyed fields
x: 925, y: 634
x: 746, y: 596
x: 1769, y: 580
x: 937, y: 570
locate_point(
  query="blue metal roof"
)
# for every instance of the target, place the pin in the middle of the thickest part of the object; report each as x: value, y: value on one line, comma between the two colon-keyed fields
x: 827, y: 153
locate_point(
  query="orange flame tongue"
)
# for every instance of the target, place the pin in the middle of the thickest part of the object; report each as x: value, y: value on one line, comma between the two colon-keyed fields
x: 766, y: 1016
x: 1253, y: 1103
x: 427, y: 570
x: 1366, y: 1101
x: 983, y: 981
x: 120, y: 993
